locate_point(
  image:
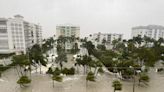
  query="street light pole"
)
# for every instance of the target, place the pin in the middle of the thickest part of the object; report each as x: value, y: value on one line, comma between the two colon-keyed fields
x: 133, y: 80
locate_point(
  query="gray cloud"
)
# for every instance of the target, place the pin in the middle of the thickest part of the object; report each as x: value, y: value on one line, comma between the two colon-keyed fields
x: 116, y: 16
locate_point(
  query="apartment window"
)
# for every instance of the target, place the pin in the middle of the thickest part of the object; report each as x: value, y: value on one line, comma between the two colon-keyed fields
x: 12, y: 24
x: 20, y: 28
x: 12, y: 28
x: 3, y: 35
x: 16, y: 28
x: 16, y: 24
x: 3, y: 31
x: 20, y: 25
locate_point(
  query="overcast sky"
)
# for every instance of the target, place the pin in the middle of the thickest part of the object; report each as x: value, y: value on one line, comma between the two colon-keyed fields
x: 108, y: 16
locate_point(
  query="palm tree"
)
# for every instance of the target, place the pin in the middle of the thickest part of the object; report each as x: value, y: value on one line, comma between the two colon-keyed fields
x: 48, y: 44
x: 101, y: 47
x: 23, y: 81
x: 147, y: 40
x: 114, y: 42
x: 86, y: 60
x: 98, y: 67
x: 62, y: 57
x: 90, y: 77
x: 22, y: 62
x: 89, y: 46
x: 117, y: 85
x: 138, y: 40
x: 61, y: 41
x: 143, y: 78
x: 56, y: 76
x: 36, y: 56
x: 104, y: 41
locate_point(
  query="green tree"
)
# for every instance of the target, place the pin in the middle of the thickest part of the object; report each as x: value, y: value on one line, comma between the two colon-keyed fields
x: 22, y: 62
x: 36, y: 56
x: 84, y: 61
x: 138, y: 40
x: 90, y: 47
x: 48, y: 44
x: 62, y: 57
x: 56, y: 76
x: 90, y: 77
x: 104, y: 42
x: 116, y: 85
x: 101, y: 47
x: 23, y: 81
x: 144, y: 78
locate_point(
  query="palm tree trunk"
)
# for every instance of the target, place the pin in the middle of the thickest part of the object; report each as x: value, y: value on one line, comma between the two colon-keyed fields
x: 30, y: 71
x: 77, y: 69
x: 86, y: 85
x: 40, y: 69
x: 36, y: 69
x: 61, y: 66
x: 20, y: 70
x: 89, y: 68
x: 4, y: 61
x: 95, y: 71
x: 139, y: 83
x: 17, y: 72
x: 84, y: 69
x: 53, y: 83
x: 20, y: 85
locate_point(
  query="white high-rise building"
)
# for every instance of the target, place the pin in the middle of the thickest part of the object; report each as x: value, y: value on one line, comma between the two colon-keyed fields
x: 16, y: 35
x: 152, y: 31
x: 67, y: 30
x: 104, y: 38
x: 108, y: 37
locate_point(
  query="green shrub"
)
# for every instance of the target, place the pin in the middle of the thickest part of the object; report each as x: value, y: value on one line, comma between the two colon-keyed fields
x: 57, y: 71
x: 70, y: 71
x: 90, y: 77
x: 50, y: 71
x: 24, y: 80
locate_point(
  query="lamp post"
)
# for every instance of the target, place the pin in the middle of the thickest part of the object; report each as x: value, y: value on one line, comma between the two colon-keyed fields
x: 133, y: 78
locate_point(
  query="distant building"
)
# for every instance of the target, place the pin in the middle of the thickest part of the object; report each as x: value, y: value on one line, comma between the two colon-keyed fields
x: 104, y: 38
x: 152, y: 31
x: 107, y: 37
x: 68, y: 30
x: 16, y: 35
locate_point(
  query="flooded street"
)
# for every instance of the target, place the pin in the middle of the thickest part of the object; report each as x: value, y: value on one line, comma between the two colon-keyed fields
x: 76, y: 83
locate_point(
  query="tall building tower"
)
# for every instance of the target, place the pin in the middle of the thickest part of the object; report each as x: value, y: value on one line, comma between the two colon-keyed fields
x: 67, y: 30
x: 16, y: 35
x: 152, y: 31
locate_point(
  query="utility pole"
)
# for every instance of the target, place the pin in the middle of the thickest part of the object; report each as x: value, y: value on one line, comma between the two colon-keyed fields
x: 133, y: 80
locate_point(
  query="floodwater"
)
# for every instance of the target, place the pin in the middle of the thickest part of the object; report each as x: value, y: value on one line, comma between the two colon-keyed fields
x: 77, y: 83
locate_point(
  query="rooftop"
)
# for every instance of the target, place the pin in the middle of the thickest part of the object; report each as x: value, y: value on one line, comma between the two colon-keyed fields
x: 149, y: 27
